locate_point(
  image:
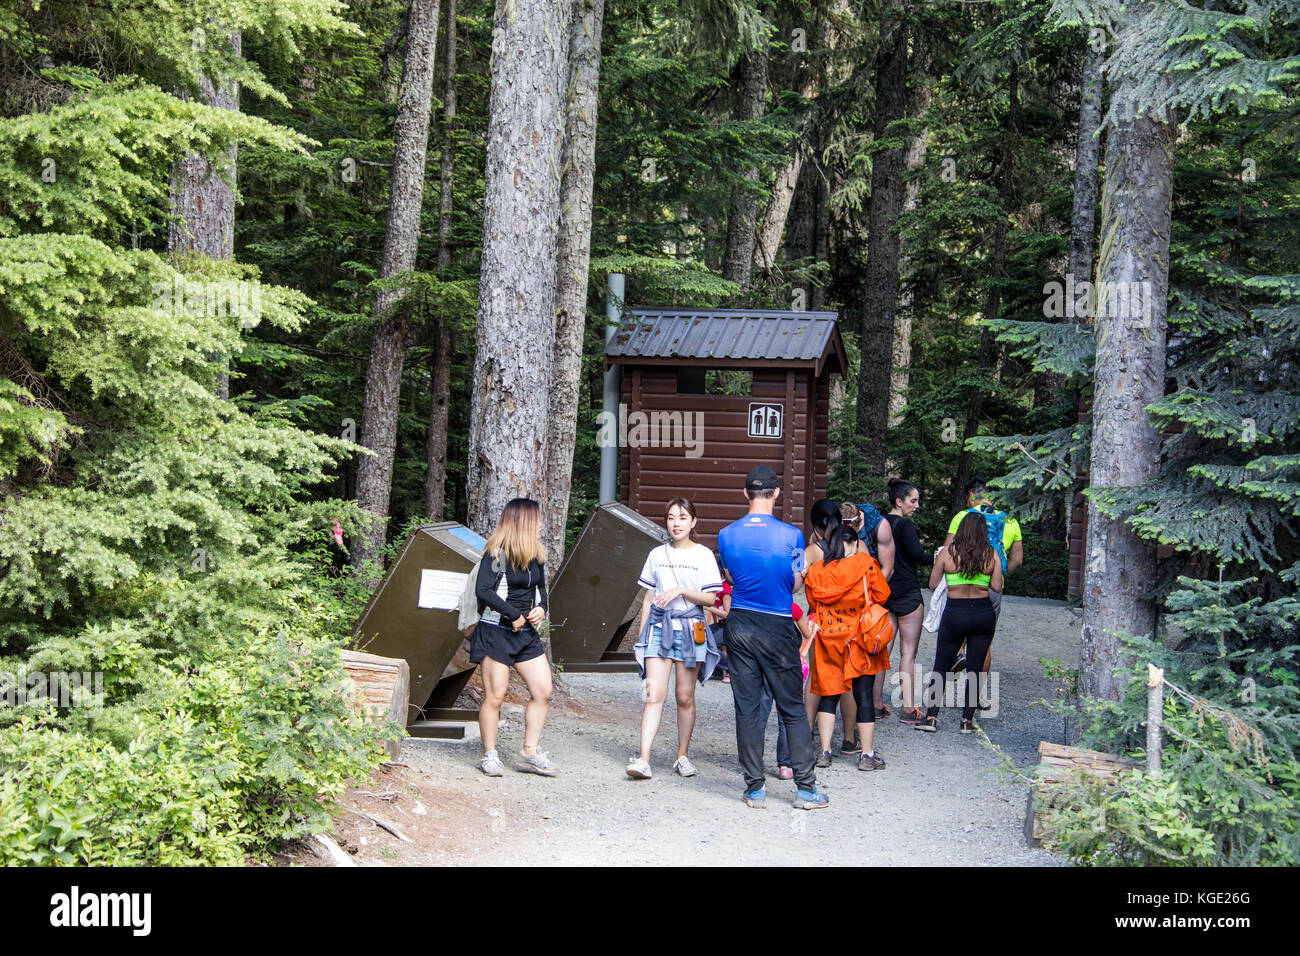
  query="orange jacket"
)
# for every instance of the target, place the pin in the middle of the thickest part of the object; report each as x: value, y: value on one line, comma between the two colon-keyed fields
x: 836, y: 588
x: 835, y: 591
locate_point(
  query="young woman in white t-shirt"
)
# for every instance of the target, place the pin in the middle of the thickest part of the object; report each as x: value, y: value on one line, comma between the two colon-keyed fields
x: 680, y: 577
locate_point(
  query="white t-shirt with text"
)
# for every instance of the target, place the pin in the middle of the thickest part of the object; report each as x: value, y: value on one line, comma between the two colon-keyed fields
x: 692, y: 568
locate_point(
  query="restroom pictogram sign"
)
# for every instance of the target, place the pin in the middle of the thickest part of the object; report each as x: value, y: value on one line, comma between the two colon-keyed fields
x: 765, y: 420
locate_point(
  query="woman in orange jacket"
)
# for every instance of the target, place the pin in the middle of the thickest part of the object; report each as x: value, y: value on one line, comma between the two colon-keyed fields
x: 847, y: 591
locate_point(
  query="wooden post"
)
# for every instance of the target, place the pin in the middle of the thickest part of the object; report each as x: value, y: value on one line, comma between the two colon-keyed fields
x: 1155, y: 715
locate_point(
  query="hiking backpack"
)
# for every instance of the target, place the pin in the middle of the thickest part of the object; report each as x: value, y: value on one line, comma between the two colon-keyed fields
x: 997, y: 524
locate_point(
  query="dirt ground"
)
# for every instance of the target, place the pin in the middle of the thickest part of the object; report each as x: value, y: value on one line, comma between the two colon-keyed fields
x: 939, y: 801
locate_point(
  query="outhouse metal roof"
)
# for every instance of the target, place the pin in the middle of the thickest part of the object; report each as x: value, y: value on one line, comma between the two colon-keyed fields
x: 664, y: 335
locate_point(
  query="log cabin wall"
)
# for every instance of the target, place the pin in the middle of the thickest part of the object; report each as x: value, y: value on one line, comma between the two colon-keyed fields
x: 649, y: 477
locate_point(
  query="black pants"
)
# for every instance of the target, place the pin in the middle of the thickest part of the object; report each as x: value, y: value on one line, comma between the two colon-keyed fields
x: 765, y: 648
x: 970, y: 620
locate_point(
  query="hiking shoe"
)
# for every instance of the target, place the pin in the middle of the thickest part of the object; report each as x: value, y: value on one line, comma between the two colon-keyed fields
x: 850, y: 747
x: 810, y: 800
x: 871, y: 762
x: 684, y: 767
x: 638, y: 769
x: 785, y: 773
x: 883, y: 711
x: 824, y: 759
x: 491, y: 764
x: 929, y: 725
x: 756, y: 799
x: 968, y: 725
x: 914, y: 716
x: 537, y: 763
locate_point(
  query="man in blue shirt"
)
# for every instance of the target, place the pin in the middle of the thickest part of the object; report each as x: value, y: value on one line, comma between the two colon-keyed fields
x: 764, y: 557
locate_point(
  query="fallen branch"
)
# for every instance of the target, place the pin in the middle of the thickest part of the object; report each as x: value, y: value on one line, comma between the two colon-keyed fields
x: 382, y: 824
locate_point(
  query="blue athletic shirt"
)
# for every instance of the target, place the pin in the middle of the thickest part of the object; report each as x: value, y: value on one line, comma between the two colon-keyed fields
x: 759, y: 553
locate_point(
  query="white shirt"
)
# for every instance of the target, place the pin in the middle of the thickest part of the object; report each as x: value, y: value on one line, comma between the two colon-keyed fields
x: 691, y: 568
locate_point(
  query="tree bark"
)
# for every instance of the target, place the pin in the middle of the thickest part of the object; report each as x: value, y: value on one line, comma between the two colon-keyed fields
x: 1130, y: 375
x: 880, y: 287
x: 516, y: 312
x: 203, y: 200
x: 988, y: 357
x: 446, y: 168
x: 742, y: 220
x: 1083, y: 227
x: 573, y: 256
x: 918, y: 101
x: 435, y: 481
x: 401, y: 238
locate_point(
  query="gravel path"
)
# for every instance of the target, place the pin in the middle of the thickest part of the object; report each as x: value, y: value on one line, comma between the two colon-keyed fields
x: 937, y: 803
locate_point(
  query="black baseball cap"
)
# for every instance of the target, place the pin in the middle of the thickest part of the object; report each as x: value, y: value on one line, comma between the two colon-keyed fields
x: 762, y: 478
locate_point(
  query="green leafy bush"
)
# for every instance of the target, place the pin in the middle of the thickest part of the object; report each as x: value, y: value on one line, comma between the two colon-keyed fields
x: 229, y: 757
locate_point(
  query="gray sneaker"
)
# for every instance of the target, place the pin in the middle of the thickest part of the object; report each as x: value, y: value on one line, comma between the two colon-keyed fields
x: 823, y: 760
x: 871, y: 762
x: 491, y: 764
x: 537, y: 763
x: 684, y: 767
x: 638, y: 769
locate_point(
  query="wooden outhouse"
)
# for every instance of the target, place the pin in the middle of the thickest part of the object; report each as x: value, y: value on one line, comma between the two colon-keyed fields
x: 708, y: 394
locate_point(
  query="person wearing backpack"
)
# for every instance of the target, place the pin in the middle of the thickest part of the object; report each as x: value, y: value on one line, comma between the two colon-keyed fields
x: 680, y: 578
x: 847, y: 591
x: 510, y: 588
x: 1003, y: 530
x: 1003, y: 534
x: 973, y: 573
x: 878, y: 536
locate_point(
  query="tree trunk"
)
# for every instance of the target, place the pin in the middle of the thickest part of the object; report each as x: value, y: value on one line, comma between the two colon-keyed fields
x: 204, y: 201
x: 1083, y: 228
x: 516, y: 312
x: 573, y: 255
x: 435, y: 481
x: 988, y: 357
x: 447, y: 166
x: 401, y: 238
x: 918, y: 101
x: 1087, y: 153
x: 742, y: 221
x: 773, y: 226
x: 1130, y: 375
x: 880, y: 288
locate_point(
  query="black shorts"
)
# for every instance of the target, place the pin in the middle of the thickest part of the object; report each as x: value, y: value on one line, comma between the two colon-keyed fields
x: 504, y: 645
x: 904, y: 603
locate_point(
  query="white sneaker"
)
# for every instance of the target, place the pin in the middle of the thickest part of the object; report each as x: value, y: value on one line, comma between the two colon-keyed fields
x: 491, y: 764
x: 638, y: 769
x: 684, y: 767
x: 537, y: 763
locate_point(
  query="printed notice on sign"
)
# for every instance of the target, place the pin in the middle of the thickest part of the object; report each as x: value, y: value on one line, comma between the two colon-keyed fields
x: 441, y: 589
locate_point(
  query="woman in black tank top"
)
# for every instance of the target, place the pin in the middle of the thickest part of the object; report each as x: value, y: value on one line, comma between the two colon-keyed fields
x: 905, y: 605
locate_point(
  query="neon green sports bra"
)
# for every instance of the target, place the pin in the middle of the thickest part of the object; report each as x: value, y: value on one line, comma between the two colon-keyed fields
x: 979, y: 580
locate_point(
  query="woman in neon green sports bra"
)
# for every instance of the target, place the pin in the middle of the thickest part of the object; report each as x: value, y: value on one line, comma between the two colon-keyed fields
x: 972, y: 568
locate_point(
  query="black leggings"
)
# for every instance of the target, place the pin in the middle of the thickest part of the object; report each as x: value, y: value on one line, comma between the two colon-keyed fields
x: 864, y: 688
x: 970, y: 620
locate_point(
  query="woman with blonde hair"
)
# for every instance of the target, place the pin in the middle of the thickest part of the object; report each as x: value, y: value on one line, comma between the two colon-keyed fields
x: 511, y: 592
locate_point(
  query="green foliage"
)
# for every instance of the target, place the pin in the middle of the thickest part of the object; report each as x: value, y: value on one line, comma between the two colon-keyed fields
x: 233, y: 756
x: 1226, y: 793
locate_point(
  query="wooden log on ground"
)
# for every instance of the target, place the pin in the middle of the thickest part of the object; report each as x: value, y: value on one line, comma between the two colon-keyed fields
x: 1056, y: 764
x: 381, y: 690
